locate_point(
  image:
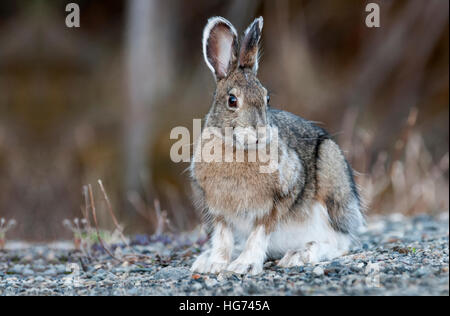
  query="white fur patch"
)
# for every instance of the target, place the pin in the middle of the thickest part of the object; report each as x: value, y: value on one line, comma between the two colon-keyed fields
x: 296, y: 243
x: 316, y: 229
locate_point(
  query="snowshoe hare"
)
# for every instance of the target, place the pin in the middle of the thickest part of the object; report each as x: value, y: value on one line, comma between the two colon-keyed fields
x: 306, y: 210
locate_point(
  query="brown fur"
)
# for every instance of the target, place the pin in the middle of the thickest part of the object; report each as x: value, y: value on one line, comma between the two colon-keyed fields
x: 269, y: 221
x: 234, y: 187
x: 253, y: 110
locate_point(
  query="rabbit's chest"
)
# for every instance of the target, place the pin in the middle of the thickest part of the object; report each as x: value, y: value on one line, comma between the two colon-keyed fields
x: 235, y: 187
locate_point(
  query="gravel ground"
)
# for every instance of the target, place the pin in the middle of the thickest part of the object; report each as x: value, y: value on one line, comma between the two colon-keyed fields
x: 397, y: 256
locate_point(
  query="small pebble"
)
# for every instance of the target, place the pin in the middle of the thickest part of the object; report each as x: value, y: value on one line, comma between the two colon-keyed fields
x: 318, y: 271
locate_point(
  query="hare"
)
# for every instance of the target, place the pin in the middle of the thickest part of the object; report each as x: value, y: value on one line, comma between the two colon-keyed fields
x: 307, y: 210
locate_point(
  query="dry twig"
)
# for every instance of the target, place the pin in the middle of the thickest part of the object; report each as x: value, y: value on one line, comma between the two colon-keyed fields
x: 94, y: 216
x: 111, y: 213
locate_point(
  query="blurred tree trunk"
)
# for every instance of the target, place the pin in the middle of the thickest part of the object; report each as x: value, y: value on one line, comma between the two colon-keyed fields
x: 148, y: 74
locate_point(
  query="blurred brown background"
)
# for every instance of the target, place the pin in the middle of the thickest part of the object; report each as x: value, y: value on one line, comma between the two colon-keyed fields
x: 99, y: 101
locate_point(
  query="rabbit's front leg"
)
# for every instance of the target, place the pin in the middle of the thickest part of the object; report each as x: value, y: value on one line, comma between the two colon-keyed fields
x: 251, y: 260
x: 217, y: 258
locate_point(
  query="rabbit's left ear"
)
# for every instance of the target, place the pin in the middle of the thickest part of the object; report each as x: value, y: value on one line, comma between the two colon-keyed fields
x: 220, y: 46
x: 248, y: 56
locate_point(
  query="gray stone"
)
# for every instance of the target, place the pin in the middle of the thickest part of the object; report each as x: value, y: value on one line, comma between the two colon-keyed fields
x: 172, y: 273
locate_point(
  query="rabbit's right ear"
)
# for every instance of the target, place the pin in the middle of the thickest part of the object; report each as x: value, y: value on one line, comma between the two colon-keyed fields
x: 249, y: 54
x: 220, y: 46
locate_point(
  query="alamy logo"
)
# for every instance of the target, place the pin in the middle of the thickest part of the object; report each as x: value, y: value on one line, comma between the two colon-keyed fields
x: 227, y: 144
x: 372, y: 272
x: 73, y: 18
x: 373, y: 18
x: 73, y: 275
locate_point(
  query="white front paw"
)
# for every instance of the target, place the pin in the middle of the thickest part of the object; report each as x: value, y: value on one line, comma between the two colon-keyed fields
x: 240, y: 266
x: 202, y: 262
x: 216, y: 267
x: 205, y: 264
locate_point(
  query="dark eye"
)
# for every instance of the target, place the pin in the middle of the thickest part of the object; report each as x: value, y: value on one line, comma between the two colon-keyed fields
x: 232, y: 101
x: 268, y: 99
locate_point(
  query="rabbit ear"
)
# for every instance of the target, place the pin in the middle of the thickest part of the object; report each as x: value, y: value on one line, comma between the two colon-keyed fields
x: 220, y: 46
x: 248, y: 56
